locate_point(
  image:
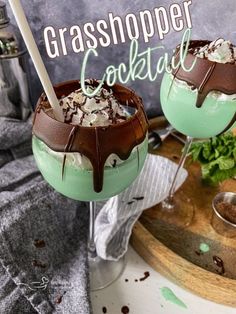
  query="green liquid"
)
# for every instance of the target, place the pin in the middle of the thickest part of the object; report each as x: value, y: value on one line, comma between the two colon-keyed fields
x: 77, y: 183
x: 169, y: 295
x: 179, y: 107
x: 204, y: 247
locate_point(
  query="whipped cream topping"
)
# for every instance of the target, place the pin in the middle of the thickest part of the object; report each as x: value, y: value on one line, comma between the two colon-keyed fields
x: 79, y: 161
x: 219, y: 96
x: 219, y: 50
x: 101, y: 110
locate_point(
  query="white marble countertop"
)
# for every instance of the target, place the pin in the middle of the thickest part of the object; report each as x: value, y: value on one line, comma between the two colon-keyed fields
x: 146, y: 297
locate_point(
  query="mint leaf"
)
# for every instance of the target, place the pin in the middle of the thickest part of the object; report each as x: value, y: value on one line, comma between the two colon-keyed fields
x: 217, y: 153
x: 217, y: 157
x: 219, y: 176
x: 225, y: 163
x: 206, y: 150
x: 234, y: 153
x: 196, y: 152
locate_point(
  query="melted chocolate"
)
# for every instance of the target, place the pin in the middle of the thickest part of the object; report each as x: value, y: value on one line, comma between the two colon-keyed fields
x: 125, y: 309
x: 206, y: 75
x: 218, y: 261
x: 146, y: 275
x: 96, y: 143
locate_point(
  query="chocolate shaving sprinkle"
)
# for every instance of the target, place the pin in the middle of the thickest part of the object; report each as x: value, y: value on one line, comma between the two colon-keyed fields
x: 39, y: 264
x: 139, y: 198
x: 227, y: 211
x: 39, y: 243
x: 131, y: 202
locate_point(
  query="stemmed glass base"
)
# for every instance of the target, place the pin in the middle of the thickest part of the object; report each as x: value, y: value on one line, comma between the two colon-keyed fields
x: 177, y: 209
x: 102, y: 273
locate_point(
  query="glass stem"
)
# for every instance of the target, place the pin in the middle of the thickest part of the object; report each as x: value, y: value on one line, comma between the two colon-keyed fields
x: 91, y: 242
x: 187, y: 146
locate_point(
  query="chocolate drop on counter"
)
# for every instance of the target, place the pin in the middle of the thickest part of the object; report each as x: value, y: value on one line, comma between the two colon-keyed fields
x: 59, y: 299
x: 125, y: 309
x: 219, y: 262
x: 96, y: 143
x: 146, y: 275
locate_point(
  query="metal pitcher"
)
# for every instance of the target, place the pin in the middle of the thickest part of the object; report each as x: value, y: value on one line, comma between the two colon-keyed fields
x: 14, y: 71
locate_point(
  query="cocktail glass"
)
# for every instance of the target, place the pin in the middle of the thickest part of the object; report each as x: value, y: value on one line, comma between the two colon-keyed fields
x: 78, y: 183
x: 199, y: 104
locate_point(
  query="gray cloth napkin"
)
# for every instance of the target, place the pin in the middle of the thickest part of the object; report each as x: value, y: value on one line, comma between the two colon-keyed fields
x: 15, y: 139
x: 43, y: 236
x: 117, y: 216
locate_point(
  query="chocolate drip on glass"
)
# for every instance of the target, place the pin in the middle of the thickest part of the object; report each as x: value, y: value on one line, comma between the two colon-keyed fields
x: 96, y: 143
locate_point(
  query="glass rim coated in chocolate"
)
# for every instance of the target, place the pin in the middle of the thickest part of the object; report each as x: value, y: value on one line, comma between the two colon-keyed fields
x: 96, y: 143
x: 206, y: 75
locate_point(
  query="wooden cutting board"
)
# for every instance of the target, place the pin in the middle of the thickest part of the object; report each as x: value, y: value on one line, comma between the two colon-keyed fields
x: 174, y: 251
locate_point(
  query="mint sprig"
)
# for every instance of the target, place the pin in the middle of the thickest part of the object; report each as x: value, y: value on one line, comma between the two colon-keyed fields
x: 217, y: 157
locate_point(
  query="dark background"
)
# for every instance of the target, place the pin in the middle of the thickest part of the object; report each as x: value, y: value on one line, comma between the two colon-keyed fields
x: 211, y: 19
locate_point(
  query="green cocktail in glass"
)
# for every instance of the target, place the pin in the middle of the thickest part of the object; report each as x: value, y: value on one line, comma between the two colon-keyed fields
x: 77, y: 183
x: 200, y: 103
x: 97, y: 153
x: 179, y: 106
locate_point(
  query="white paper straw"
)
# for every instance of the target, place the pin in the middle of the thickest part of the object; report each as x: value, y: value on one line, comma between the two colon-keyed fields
x: 36, y: 57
